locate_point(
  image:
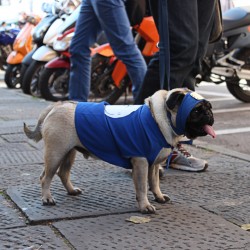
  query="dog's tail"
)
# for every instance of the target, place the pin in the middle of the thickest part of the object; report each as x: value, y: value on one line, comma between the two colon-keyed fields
x: 36, y: 134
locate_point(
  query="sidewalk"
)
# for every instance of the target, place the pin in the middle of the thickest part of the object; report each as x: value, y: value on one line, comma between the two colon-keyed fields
x: 207, y: 209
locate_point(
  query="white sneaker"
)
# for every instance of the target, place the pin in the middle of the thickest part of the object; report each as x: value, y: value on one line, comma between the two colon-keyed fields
x: 183, y: 160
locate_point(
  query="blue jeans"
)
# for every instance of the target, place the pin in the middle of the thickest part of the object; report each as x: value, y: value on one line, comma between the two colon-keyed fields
x: 110, y: 16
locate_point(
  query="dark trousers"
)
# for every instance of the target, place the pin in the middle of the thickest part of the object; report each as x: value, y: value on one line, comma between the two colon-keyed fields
x: 190, y: 24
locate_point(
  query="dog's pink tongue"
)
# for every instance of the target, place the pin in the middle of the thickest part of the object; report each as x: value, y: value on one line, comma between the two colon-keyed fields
x: 209, y: 130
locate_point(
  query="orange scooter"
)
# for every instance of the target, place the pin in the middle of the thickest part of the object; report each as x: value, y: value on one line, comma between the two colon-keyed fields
x: 109, y: 78
x: 22, y: 45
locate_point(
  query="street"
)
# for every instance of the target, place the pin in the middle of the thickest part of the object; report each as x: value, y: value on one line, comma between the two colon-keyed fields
x: 232, y: 123
x: 208, y: 210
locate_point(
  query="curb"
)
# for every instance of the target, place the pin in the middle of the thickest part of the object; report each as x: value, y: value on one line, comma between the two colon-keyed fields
x: 221, y: 150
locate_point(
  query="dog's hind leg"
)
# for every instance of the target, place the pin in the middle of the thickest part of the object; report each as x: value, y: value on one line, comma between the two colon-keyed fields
x: 154, y: 184
x: 64, y: 173
x: 52, y: 161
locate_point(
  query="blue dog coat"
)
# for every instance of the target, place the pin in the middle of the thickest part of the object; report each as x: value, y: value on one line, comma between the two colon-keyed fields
x: 115, y: 133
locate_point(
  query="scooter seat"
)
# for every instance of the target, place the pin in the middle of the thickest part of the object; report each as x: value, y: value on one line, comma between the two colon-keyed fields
x: 236, y: 17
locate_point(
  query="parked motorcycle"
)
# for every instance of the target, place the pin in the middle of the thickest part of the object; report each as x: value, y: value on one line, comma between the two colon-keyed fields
x: 53, y: 81
x: 229, y: 59
x: 46, y: 52
x: 37, y: 37
x: 109, y: 79
x: 7, y: 38
x: 21, y: 46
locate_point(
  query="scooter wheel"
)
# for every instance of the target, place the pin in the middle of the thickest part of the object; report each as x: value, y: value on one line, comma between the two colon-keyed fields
x: 54, y: 84
x: 12, y: 76
x: 30, y: 80
x: 240, y: 89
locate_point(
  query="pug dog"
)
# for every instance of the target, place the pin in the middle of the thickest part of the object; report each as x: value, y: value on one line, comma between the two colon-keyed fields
x: 137, y: 137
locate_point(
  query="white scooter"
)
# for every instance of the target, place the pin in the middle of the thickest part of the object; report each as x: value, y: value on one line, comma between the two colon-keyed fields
x: 46, y: 52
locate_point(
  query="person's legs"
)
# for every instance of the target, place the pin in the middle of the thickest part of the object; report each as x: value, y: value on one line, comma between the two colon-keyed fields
x: 206, y: 14
x: 151, y: 82
x: 181, y: 158
x: 114, y: 21
x: 206, y: 11
x: 183, y: 35
x: 87, y: 29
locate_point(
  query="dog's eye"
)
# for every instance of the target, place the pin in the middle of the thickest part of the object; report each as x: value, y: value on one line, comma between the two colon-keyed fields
x: 195, y: 113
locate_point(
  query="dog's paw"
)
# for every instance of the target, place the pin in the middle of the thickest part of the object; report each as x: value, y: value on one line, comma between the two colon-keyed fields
x: 165, y: 198
x: 149, y: 209
x: 48, y: 201
x: 75, y: 191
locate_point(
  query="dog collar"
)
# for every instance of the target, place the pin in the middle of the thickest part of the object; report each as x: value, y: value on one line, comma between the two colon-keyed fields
x: 190, y: 100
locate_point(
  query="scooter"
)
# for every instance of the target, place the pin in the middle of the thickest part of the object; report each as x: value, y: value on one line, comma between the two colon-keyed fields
x: 7, y: 38
x: 21, y: 46
x: 229, y: 59
x: 109, y: 79
x: 37, y: 37
x: 54, y: 77
x: 46, y: 52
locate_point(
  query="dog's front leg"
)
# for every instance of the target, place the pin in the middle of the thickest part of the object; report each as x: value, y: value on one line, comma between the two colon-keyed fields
x: 154, y: 184
x: 140, y: 176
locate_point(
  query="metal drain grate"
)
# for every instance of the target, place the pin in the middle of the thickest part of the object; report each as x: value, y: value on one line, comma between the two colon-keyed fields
x: 98, y: 198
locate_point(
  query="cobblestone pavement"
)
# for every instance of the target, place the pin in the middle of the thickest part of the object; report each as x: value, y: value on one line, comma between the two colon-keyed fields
x: 207, y: 210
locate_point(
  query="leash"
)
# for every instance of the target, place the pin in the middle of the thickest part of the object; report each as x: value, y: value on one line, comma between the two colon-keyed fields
x: 164, y: 51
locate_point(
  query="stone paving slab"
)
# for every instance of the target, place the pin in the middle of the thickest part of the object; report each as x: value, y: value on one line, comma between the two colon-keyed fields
x: 7, y: 124
x: 19, y: 158
x: 15, y: 147
x: 236, y: 211
x: 206, y: 187
x: 174, y: 227
x: 19, y: 175
x: 11, y: 129
x: 15, y: 138
x: 35, y: 237
x: 10, y: 217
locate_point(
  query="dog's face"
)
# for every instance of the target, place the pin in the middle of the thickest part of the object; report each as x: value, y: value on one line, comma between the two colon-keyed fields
x: 190, y: 113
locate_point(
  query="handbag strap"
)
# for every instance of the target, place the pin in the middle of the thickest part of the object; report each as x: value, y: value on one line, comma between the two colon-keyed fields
x: 164, y: 52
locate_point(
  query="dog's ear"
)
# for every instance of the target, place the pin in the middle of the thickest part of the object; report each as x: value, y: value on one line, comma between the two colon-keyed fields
x: 175, y: 99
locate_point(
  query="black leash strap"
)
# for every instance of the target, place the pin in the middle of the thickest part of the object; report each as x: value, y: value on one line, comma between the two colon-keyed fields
x: 164, y: 53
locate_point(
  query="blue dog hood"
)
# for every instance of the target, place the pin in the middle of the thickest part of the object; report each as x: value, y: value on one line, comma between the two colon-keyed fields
x: 190, y: 100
